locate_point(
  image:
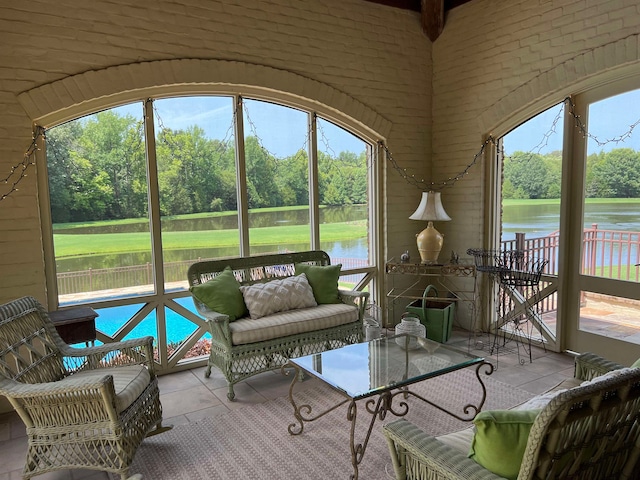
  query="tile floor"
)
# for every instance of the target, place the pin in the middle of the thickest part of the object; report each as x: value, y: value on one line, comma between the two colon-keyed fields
x: 188, y: 396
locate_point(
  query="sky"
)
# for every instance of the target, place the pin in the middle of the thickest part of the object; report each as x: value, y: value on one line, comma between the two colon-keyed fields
x: 282, y: 130
x: 609, y: 119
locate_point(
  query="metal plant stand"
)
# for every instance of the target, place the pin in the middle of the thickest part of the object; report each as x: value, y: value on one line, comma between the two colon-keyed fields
x: 517, y: 302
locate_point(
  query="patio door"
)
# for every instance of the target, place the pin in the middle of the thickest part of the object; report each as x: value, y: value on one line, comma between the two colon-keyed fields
x: 601, y: 217
x: 529, y: 172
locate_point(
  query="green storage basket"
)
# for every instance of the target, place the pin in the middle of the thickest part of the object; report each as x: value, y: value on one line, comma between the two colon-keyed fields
x: 435, y: 315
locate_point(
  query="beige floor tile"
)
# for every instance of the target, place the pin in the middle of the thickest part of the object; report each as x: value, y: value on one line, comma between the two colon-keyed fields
x: 188, y: 400
x: 176, y: 382
x: 13, y: 453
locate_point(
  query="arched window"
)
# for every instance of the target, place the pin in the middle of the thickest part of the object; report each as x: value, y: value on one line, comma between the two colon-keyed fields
x: 140, y: 191
x: 569, y: 194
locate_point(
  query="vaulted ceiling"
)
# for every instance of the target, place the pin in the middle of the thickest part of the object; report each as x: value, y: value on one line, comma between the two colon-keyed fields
x: 432, y: 12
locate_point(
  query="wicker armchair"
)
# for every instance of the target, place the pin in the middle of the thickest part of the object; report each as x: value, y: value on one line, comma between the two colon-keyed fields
x: 588, y: 432
x: 83, y: 407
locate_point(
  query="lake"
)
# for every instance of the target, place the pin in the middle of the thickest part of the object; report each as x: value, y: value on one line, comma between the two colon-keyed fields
x: 540, y: 219
x: 536, y: 219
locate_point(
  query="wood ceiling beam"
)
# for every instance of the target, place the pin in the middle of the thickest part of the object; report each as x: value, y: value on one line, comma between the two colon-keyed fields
x: 432, y: 18
x: 432, y: 12
x: 403, y: 4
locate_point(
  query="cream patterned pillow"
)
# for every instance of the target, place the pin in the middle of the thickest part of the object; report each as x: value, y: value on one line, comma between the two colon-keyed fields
x: 289, y: 293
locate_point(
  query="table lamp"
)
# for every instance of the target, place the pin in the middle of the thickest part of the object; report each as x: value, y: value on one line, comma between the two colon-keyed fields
x: 430, y: 240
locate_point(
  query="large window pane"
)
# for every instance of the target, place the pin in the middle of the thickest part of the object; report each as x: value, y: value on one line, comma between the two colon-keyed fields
x: 531, y: 189
x: 612, y: 190
x: 611, y: 240
x: 195, y: 151
x: 99, y: 206
x: 277, y: 165
x: 343, y: 162
x: 102, y: 178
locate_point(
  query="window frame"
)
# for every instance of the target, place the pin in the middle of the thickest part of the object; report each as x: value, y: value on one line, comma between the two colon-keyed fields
x: 571, y: 213
x: 161, y: 297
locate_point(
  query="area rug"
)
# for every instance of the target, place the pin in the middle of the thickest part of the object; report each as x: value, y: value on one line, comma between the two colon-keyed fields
x: 252, y: 443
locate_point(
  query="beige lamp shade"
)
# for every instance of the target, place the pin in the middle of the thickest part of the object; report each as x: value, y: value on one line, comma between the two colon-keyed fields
x: 430, y: 241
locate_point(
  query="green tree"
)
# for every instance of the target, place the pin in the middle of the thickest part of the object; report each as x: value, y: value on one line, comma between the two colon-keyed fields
x: 79, y: 191
x: 113, y: 145
x: 262, y: 171
x: 293, y: 179
x: 618, y: 175
x: 61, y: 141
x: 592, y: 183
x: 553, y: 178
x: 527, y: 173
x: 343, y: 180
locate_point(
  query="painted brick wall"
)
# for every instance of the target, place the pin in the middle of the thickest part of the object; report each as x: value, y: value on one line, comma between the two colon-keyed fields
x: 375, y: 54
x: 494, y: 60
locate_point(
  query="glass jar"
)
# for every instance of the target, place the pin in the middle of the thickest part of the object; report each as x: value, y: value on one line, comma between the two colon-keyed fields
x: 410, y: 325
x: 372, y: 321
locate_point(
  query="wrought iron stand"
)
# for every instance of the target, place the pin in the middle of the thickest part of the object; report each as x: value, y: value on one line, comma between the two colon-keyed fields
x: 518, y: 296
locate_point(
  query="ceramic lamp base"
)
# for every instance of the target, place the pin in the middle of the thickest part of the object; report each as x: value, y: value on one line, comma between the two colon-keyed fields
x: 429, y: 243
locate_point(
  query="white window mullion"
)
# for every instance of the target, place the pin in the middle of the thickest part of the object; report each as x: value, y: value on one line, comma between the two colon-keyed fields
x: 154, y: 197
x: 241, y: 179
x: 155, y: 225
x: 45, y: 223
x: 314, y: 188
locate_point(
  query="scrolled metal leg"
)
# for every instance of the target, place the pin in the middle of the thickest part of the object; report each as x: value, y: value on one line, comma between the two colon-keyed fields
x: 378, y: 410
x: 302, y: 413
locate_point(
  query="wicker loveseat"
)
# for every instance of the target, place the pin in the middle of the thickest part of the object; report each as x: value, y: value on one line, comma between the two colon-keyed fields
x: 587, y: 430
x: 244, y: 346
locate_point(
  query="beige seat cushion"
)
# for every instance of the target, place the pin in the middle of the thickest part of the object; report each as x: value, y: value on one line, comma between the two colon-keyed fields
x: 282, y: 324
x: 460, y: 440
x: 129, y: 382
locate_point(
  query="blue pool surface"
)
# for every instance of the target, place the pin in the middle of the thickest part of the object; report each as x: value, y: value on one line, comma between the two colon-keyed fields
x: 178, y: 327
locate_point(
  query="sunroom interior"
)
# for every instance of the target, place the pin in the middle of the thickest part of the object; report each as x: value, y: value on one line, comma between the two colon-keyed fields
x: 418, y: 113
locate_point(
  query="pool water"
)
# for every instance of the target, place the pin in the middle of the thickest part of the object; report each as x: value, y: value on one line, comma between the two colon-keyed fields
x: 178, y: 328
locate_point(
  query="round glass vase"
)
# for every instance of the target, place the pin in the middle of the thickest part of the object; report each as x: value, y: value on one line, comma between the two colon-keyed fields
x: 372, y: 321
x: 410, y: 325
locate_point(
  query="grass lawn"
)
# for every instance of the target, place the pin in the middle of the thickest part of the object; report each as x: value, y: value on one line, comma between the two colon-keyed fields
x: 68, y: 246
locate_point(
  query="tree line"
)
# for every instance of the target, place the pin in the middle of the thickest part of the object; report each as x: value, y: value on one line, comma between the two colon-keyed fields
x: 613, y: 174
x: 98, y: 171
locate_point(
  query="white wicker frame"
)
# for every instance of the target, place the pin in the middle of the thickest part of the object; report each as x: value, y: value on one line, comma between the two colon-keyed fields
x: 78, y: 425
x: 238, y: 362
x: 589, y: 432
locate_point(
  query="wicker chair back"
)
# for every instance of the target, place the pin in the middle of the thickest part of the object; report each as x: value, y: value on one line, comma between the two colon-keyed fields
x: 249, y: 270
x: 29, y: 343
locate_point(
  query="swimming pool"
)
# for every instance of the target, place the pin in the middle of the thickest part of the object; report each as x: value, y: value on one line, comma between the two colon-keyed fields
x: 178, y: 328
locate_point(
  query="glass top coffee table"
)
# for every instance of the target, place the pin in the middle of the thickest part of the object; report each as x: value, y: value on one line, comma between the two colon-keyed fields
x: 379, y: 371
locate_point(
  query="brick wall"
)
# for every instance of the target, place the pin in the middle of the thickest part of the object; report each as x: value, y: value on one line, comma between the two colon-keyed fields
x: 375, y: 55
x: 494, y: 61
x: 499, y: 62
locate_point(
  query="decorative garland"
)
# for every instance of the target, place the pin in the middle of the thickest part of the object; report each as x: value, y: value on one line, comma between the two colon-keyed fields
x: 29, y: 156
x: 449, y: 182
x: 21, y: 168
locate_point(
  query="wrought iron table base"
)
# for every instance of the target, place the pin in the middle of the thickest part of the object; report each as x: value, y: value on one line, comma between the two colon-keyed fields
x: 378, y: 409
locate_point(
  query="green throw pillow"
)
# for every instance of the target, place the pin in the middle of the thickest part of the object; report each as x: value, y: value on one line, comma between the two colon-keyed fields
x: 500, y: 440
x: 323, y: 281
x: 222, y: 294
x: 636, y: 364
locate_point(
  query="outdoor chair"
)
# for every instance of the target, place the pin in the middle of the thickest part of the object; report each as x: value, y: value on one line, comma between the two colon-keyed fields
x: 586, y: 428
x: 83, y: 407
